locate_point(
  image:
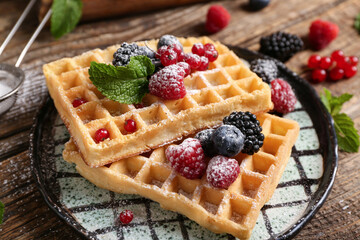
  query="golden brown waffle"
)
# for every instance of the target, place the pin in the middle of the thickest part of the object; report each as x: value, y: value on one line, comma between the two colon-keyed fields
x: 233, y: 211
x: 227, y: 86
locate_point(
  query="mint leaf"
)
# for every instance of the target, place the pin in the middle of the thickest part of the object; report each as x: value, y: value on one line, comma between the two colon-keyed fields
x: 348, y: 138
x: 65, y: 16
x: 357, y: 23
x: 347, y: 135
x: 2, y: 207
x: 127, y: 84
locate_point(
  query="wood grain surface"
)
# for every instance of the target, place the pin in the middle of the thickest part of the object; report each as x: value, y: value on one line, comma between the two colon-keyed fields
x: 28, y: 217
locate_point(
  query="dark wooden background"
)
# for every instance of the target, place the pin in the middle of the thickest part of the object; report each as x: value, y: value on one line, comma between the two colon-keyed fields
x: 28, y: 217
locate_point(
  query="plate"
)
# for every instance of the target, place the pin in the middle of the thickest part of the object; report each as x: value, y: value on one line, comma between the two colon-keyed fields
x: 303, y: 188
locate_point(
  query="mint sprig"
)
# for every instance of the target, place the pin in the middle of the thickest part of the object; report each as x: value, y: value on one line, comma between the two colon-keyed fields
x: 347, y: 135
x: 357, y: 23
x: 65, y: 16
x: 2, y: 207
x: 127, y: 84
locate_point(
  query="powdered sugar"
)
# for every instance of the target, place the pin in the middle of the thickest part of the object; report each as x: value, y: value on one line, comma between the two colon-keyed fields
x: 222, y: 171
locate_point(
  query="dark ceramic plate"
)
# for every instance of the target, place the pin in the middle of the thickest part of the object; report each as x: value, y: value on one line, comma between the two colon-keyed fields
x: 93, y: 212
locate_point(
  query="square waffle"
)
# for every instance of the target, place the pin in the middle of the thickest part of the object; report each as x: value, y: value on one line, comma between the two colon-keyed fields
x: 227, y: 86
x: 233, y: 211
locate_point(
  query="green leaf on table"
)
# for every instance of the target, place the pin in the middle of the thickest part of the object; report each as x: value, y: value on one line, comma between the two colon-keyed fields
x: 2, y: 207
x: 347, y: 135
x: 65, y: 16
x: 125, y: 84
x: 357, y: 23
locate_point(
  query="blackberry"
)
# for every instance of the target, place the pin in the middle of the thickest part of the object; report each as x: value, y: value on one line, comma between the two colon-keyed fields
x: 167, y: 40
x: 247, y: 123
x: 281, y: 45
x: 206, y: 142
x: 266, y: 69
x: 123, y: 54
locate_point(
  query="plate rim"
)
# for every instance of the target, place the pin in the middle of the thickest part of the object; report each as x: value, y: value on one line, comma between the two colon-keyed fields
x: 316, y: 202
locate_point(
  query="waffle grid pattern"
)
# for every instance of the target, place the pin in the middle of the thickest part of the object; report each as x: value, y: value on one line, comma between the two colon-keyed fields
x: 228, y: 85
x: 233, y: 211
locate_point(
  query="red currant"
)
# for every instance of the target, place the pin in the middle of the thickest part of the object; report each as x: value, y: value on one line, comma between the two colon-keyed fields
x: 186, y: 68
x: 212, y: 55
x: 325, y: 62
x: 130, y: 125
x: 209, y: 46
x: 314, y: 61
x: 193, y: 60
x: 204, y: 64
x: 178, y: 50
x: 343, y: 63
x: 78, y: 101
x: 198, y: 49
x: 126, y: 216
x: 337, y: 55
x: 101, y: 134
x: 336, y: 74
x: 161, y: 51
x: 350, y: 71
x: 180, y: 56
x: 318, y: 75
x: 169, y: 57
x: 354, y: 60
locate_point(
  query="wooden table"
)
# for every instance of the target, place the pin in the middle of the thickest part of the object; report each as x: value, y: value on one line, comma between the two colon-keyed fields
x: 28, y: 217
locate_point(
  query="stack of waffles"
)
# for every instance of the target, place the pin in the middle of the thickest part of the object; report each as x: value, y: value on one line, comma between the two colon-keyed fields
x: 227, y: 86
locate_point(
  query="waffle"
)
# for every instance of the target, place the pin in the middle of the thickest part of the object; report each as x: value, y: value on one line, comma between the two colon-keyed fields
x: 227, y: 86
x: 233, y: 211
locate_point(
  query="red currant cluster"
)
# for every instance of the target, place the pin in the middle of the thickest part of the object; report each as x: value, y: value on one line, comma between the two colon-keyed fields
x: 334, y: 68
x: 198, y: 59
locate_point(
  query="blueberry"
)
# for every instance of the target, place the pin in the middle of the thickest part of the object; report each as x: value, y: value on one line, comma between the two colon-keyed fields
x: 205, y: 138
x: 228, y: 140
x: 258, y: 4
x: 167, y: 40
x: 147, y: 52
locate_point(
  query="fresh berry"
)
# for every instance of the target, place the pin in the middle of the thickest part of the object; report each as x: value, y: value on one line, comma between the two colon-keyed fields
x: 212, y: 55
x: 222, y: 171
x: 78, y: 101
x: 204, y: 64
x: 258, y: 4
x: 228, y: 140
x: 314, y: 61
x: 266, y: 69
x: 101, y: 134
x: 350, y: 71
x: 139, y: 105
x: 217, y: 18
x: 126, y: 216
x: 325, y: 63
x: 354, y: 60
x: 167, y: 40
x: 209, y: 46
x: 198, y: 49
x: 336, y: 74
x: 161, y: 51
x: 337, y: 55
x: 188, y: 158
x: 169, y: 57
x: 343, y: 63
x: 250, y: 127
x: 282, y: 96
x: 123, y: 54
x: 281, y: 45
x: 318, y: 75
x: 186, y: 68
x: 168, y: 83
x: 179, y: 51
x: 193, y: 60
x: 322, y: 33
x: 130, y: 125
x: 205, y: 138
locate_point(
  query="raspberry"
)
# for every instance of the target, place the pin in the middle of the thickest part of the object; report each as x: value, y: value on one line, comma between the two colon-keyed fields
x: 169, y: 57
x: 228, y: 140
x: 314, y: 61
x: 222, y: 171
x: 282, y: 96
x: 126, y: 216
x: 186, y: 68
x: 217, y: 18
x: 78, y: 101
x: 322, y: 33
x: 336, y: 74
x: 325, y: 62
x: 318, y: 75
x: 193, y: 60
x: 101, y: 134
x: 354, y: 60
x: 188, y: 158
x: 204, y: 64
x: 198, y: 49
x: 168, y: 83
x: 205, y: 138
x: 212, y: 55
x: 130, y: 125
x: 350, y: 71
x: 266, y: 69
